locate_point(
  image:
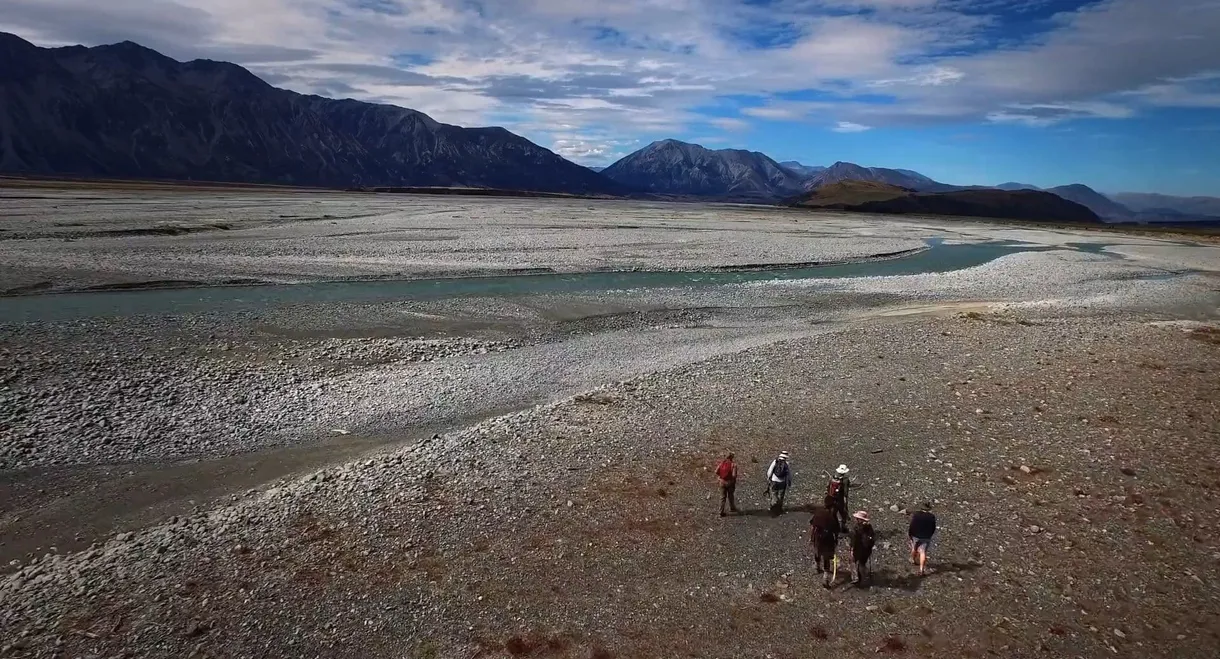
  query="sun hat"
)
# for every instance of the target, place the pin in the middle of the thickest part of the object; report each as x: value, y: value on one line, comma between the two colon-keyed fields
x: 842, y: 470
x: 861, y: 515
x: 783, y: 455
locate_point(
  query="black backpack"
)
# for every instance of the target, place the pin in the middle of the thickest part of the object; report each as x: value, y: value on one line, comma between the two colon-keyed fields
x: 866, y: 538
x: 781, y: 470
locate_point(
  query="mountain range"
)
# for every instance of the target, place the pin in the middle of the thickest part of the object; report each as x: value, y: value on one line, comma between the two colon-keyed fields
x: 670, y: 167
x: 126, y: 111
x: 683, y: 177
x: 802, y: 170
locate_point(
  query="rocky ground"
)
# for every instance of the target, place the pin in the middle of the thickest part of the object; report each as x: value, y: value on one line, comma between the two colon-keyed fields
x: 1072, y: 462
x: 64, y: 240
x: 531, y: 475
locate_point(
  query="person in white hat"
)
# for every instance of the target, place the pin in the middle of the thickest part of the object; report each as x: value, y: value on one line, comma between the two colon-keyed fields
x: 862, y: 538
x: 837, y: 489
x: 779, y: 477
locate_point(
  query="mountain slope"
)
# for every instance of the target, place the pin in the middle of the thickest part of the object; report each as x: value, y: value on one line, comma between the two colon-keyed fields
x: 1158, y: 203
x: 846, y: 171
x: 126, y: 111
x: 802, y: 170
x: 678, y: 168
x: 1016, y: 186
x: 1095, y: 201
x: 875, y: 197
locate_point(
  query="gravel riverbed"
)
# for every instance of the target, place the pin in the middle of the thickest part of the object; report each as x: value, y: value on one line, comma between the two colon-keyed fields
x: 530, y: 475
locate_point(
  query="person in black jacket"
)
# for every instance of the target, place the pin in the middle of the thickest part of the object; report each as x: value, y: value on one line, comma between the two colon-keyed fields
x: 824, y: 536
x: 862, y: 540
x: 923, y: 527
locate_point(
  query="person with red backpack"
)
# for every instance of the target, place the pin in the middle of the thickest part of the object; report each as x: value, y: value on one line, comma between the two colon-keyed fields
x: 837, y: 490
x: 726, y: 474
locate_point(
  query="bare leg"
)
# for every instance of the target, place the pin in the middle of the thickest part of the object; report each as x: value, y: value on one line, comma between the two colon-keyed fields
x: 923, y: 558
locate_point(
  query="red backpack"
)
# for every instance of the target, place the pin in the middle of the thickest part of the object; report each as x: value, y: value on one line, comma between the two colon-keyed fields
x: 834, y: 489
x: 725, y: 470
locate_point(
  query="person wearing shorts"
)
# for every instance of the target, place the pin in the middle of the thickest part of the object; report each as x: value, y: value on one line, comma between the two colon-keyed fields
x: 923, y: 527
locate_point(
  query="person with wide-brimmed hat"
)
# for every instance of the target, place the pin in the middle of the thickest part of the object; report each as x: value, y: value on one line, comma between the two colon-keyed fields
x: 861, y: 538
x: 779, y: 478
x: 837, y: 489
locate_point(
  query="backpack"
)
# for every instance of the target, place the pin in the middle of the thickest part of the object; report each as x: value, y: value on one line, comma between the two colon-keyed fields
x: 834, y: 489
x: 725, y: 470
x: 866, y: 538
x: 781, y: 470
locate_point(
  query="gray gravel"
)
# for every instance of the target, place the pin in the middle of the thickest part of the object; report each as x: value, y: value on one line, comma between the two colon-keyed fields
x: 580, y: 504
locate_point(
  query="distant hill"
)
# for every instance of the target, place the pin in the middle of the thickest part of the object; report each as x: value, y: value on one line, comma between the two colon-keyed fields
x: 1095, y: 201
x: 806, y: 171
x: 1159, y: 203
x: 125, y: 111
x: 846, y: 171
x: 670, y: 167
x: 875, y: 197
x: 1016, y: 186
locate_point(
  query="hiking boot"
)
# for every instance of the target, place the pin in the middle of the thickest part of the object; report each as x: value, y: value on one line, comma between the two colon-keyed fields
x: 722, y: 513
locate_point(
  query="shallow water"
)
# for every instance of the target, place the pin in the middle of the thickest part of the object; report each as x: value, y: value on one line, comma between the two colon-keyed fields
x: 939, y: 257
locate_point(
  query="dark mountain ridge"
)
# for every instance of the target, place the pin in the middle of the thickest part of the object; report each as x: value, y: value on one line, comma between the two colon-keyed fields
x: 671, y: 167
x: 126, y: 111
x: 846, y: 171
x: 1096, y: 202
x: 876, y: 197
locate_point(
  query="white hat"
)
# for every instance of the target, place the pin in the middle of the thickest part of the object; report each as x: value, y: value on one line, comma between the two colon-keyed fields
x: 783, y: 455
x: 842, y: 470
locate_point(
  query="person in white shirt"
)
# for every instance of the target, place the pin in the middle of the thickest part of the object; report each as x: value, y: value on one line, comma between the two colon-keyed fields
x: 779, y: 477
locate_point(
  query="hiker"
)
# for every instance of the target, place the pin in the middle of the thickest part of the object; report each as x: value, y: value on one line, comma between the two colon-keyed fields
x: 726, y: 474
x: 824, y: 536
x: 862, y: 540
x: 779, y: 477
x: 923, y: 527
x: 837, y: 489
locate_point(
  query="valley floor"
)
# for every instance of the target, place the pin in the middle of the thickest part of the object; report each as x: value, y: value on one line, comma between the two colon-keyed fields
x: 531, y: 475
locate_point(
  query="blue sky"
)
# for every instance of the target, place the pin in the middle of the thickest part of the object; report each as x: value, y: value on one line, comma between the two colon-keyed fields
x: 1122, y: 95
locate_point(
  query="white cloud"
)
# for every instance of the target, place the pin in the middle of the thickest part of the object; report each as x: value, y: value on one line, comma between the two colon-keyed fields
x: 772, y: 112
x: 1048, y: 114
x: 636, y: 69
x: 849, y: 127
x: 729, y: 123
